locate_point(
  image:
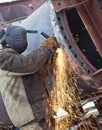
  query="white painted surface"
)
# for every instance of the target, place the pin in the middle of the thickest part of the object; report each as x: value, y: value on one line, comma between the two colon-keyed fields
x: 5, y: 1
x: 88, y: 105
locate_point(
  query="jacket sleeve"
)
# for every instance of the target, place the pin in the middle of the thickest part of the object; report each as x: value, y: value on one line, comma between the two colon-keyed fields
x: 30, y: 63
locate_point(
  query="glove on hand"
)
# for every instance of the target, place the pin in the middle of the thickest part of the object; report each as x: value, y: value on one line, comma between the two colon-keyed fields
x: 51, y: 43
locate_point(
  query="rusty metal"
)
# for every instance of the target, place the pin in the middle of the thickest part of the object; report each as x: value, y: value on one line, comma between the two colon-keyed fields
x: 78, y: 51
x: 15, y: 3
x: 17, y: 11
x: 97, y: 76
x: 90, y: 13
x: 67, y: 4
x: 44, y: 25
x: 67, y: 35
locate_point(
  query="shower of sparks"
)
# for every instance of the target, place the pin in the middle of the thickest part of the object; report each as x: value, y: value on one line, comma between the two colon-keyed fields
x: 64, y: 93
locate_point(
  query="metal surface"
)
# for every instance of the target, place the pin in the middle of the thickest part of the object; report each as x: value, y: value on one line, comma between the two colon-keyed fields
x: 84, y: 63
x: 60, y: 5
x: 14, y: 3
x: 97, y: 76
x: 65, y: 42
x: 57, y: 25
x: 71, y: 45
x: 33, y: 4
x: 14, y: 14
x: 17, y: 11
x: 40, y: 21
x: 90, y: 14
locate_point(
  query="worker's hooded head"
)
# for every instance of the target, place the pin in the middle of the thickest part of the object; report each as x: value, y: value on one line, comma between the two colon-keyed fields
x: 15, y: 37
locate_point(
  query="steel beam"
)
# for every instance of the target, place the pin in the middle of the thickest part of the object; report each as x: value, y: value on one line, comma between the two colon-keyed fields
x: 91, y: 14
x: 67, y: 4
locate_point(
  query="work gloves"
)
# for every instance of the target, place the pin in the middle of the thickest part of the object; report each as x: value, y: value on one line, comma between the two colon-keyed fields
x: 51, y: 43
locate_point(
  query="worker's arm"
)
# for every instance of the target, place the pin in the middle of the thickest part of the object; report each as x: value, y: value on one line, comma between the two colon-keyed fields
x: 25, y: 64
x: 30, y: 63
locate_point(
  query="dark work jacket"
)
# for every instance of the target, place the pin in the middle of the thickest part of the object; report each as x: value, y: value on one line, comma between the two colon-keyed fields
x: 22, y: 85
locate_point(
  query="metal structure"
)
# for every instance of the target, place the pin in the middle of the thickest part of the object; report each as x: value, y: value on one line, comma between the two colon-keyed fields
x: 78, y: 20
x: 77, y: 27
x: 13, y: 3
x: 76, y: 24
x: 18, y: 10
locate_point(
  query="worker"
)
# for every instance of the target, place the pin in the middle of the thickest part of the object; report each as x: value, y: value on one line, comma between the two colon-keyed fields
x: 23, y: 90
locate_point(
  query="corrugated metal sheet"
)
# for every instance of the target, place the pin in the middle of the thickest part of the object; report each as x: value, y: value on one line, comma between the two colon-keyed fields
x: 7, y: 1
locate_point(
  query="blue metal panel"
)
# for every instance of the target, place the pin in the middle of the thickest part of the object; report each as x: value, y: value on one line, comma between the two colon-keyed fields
x: 39, y: 20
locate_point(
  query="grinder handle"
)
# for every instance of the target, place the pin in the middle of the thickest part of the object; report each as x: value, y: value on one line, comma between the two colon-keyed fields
x: 44, y: 34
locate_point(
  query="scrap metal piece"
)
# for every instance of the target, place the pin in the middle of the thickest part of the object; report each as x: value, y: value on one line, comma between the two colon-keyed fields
x: 60, y: 115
